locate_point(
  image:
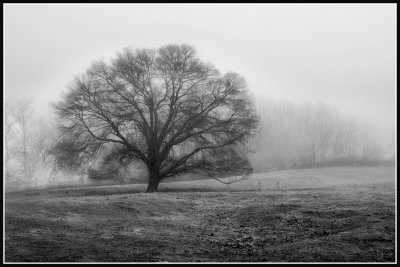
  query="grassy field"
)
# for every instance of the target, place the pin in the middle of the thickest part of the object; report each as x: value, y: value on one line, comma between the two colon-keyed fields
x: 315, y: 215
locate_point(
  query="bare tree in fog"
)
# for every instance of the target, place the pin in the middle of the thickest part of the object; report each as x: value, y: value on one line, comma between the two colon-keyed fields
x: 277, y: 129
x: 27, y: 142
x: 9, y: 124
x: 370, y: 149
x: 325, y: 120
x: 318, y: 121
x: 163, y: 107
x: 22, y: 113
x: 17, y: 115
x: 346, y: 140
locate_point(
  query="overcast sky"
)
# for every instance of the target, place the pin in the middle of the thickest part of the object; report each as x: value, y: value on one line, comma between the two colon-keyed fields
x: 343, y: 54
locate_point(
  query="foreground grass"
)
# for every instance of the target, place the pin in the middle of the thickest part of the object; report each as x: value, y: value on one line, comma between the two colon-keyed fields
x: 348, y: 221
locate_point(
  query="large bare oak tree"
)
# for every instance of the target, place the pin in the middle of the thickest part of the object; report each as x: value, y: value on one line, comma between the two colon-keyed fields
x: 163, y: 107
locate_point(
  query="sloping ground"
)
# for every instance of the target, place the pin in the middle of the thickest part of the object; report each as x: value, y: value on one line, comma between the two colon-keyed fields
x: 328, y: 215
x: 269, y: 181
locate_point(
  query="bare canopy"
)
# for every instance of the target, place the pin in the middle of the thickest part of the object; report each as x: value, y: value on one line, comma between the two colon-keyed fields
x: 164, y: 107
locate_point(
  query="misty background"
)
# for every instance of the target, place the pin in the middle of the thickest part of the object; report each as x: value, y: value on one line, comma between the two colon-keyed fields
x: 323, y: 75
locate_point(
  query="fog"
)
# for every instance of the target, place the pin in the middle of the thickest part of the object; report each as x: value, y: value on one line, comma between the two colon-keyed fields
x: 294, y: 57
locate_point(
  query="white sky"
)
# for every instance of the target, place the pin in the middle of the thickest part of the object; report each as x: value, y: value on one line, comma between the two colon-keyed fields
x: 343, y: 54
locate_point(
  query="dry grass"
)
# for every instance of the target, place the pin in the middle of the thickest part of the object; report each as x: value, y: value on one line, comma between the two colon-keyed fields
x: 321, y: 215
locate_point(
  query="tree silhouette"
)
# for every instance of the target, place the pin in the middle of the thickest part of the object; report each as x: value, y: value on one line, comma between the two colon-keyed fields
x: 164, y: 107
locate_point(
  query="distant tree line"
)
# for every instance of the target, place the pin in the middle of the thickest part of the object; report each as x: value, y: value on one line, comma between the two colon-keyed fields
x: 27, y: 140
x: 312, y: 135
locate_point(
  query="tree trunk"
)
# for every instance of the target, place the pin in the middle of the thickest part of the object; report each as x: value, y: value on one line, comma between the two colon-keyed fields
x: 154, y: 176
x: 152, y: 186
